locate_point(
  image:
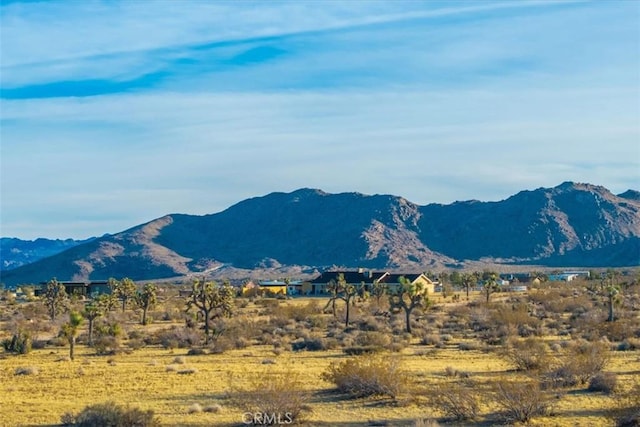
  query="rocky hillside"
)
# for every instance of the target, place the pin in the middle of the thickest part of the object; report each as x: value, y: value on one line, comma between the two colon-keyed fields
x: 572, y: 224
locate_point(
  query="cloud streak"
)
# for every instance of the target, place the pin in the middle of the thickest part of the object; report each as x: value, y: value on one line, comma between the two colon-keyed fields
x: 102, y: 129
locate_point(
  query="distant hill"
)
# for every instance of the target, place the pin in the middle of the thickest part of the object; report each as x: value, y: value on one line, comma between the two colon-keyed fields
x: 571, y: 224
x: 17, y: 252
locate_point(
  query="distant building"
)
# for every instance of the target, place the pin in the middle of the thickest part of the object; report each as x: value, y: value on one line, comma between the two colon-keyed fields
x: 85, y: 289
x: 366, y: 279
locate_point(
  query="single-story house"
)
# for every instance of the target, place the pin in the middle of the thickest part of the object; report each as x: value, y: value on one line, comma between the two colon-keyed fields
x: 85, y: 289
x: 318, y: 286
x: 393, y: 281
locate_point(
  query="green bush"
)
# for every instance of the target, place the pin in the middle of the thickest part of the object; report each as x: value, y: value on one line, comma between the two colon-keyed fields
x: 368, y: 376
x: 112, y: 415
x: 19, y: 343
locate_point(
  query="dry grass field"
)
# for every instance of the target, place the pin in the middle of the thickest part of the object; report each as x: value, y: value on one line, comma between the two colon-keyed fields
x: 454, y: 344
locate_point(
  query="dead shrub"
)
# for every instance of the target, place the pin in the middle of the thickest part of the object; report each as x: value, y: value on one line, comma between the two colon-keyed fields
x: 587, y: 359
x: 360, y: 350
x: 194, y: 409
x: 468, y: 346
x: 175, y: 337
x: 372, y: 339
x: 214, y: 408
x: 280, y: 396
x: 111, y: 414
x: 528, y: 355
x: 26, y: 370
x: 605, y: 382
x: 627, y: 410
x: 457, y: 401
x: 368, y: 376
x: 521, y: 401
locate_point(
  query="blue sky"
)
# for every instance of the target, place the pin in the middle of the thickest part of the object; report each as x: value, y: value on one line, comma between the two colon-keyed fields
x: 114, y: 113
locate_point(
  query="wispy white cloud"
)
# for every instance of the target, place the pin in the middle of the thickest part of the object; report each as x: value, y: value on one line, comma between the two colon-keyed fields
x: 425, y: 100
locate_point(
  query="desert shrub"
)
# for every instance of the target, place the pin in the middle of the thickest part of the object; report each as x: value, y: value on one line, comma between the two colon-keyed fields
x: 221, y: 344
x: 360, y: 350
x: 213, y: 408
x: 316, y: 344
x: 587, y: 359
x: 629, y: 344
x: 446, y: 337
x: 605, y: 382
x: 111, y: 414
x: 528, y: 355
x: 372, y: 339
x: 456, y: 400
x: 627, y: 410
x: 196, y: 408
x: 521, y: 401
x: 468, y: 346
x: 26, y: 370
x: 39, y: 344
x: 426, y: 422
x: 317, y: 321
x: 368, y: 376
x: 175, y: 337
x: 430, y: 339
x: 19, y: 343
x: 135, y: 344
x: 560, y: 377
x: 582, y: 361
x: 106, y: 345
x: 279, y: 397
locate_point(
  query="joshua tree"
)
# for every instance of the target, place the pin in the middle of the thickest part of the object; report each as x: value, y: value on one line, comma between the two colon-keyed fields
x: 379, y: 289
x: 340, y: 289
x: 91, y: 312
x: 126, y: 291
x: 611, y: 290
x: 490, y: 285
x: 347, y: 293
x: 70, y: 330
x: 146, y: 299
x: 407, y: 297
x: 468, y: 280
x: 212, y: 301
x: 55, y: 297
x: 333, y: 288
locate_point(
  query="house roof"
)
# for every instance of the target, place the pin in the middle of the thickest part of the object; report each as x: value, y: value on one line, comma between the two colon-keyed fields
x: 395, y: 278
x: 350, y: 276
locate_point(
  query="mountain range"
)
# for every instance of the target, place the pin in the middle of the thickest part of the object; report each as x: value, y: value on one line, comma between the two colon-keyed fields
x: 573, y: 224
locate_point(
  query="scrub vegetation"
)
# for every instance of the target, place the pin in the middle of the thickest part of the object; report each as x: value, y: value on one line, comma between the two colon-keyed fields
x: 560, y: 354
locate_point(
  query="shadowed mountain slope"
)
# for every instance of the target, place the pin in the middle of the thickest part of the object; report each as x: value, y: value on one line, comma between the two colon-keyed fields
x: 572, y: 224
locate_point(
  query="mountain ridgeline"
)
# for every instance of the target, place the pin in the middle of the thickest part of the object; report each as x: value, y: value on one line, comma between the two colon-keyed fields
x: 579, y: 225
